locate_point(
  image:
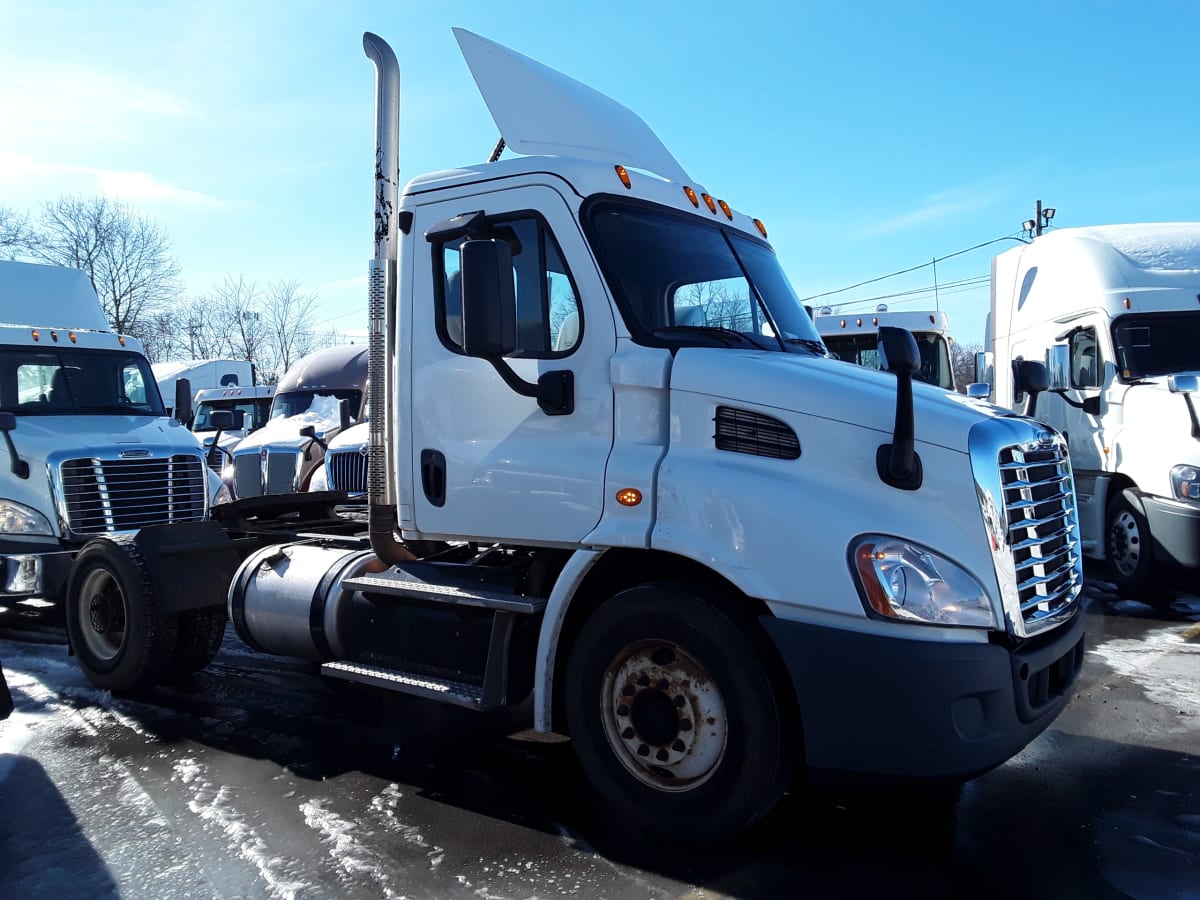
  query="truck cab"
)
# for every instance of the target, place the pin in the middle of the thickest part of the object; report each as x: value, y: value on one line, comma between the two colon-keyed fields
x: 253, y: 404
x: 853, y: 337
x: 1112, y: 310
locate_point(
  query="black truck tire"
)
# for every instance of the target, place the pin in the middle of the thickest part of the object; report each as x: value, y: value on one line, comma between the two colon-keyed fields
x: 121, y: 639
x: 673, y: 716
x: 1129, y: 549
x: 200, y: 632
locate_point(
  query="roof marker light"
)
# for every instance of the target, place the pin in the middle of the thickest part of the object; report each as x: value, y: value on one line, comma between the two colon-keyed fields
x: 691, y: 195
x: 624, y: 176
x: 121, y: 339
x: 762, y: 229
x: 36, y: 335
x: 1127, y: 303
x: 71, y: 335
x: 725, y: 209
x: 54, y: 336
x: 858, y: 323
x: 710, y: 203
x: 843, y: 323
x: 875, y: 320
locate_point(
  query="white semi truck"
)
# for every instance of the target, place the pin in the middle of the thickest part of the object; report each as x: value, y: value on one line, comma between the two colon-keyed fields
x: 88, y: 448
x: 712, y: 555
x: 853, y: 337
x: 251, y: 407
x: 1115, y: 312
x: 200, y: 374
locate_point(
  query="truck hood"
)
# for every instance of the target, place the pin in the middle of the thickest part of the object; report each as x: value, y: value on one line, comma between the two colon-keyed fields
x: 826, y: 389
x: 37, y: 437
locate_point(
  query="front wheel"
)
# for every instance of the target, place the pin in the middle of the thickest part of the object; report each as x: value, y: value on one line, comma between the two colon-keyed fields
x: 673, y: 715
x: 1129, y: 548
x: 121, y: 639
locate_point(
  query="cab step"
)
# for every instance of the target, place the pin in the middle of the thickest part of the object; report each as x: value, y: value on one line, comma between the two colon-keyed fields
x: 455, y: 585
x: 444, y: 690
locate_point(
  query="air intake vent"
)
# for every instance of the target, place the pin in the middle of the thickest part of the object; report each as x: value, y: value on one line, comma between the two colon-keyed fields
x: 740, y: 431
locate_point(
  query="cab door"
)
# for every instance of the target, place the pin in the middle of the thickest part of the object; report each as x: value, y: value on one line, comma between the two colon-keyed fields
x: 489, y: 463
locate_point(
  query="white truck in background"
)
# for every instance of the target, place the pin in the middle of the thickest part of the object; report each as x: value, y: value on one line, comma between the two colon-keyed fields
x: 322, y: 394
x: 251, y: 407
x: 715, y: 556
x: 201, y: 374
x: 854, y: 337
x: 88, y: 448
x: 1114, y: 310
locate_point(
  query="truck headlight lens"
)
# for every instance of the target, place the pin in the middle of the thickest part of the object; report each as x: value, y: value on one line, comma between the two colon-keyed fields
x: 1185, y: 482
x: 16, y: 518
x: 319, y: 480
x: 910, y: 583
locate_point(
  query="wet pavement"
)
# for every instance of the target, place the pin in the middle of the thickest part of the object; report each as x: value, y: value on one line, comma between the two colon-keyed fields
x: 256, y: 779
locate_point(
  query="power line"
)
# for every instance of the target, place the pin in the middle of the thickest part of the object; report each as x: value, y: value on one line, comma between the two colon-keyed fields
x: 933, y: 262
x: 945, y: 287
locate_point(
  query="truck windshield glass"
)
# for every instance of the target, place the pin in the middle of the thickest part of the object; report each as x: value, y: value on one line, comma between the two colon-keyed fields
x: 683, y: 281
x: 255, y: 411
x: 863, y: 350
x: 293, y: 403
x: 73, y: 381
x: 1149, y: 344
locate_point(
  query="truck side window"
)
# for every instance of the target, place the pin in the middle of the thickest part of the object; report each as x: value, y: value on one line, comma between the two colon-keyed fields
x: 548, y: 312
x: 1087, y: 370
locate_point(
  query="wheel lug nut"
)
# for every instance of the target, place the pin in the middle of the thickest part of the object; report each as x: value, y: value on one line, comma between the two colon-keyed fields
x: 622, y: 710
x: 643, y: 750
x: 663, y: 684
x: 679, y: 746
x: 685, y: 724
x: 628, y: 734
x: 662, y: 755
x: 644, y: 681
x: 629, y: 690
x: 680, y: 701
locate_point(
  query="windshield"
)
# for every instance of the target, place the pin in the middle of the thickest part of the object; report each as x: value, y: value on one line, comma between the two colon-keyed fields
x: 680, y: 280
x: 1149, y: 344
x: 863, y: 350
x: 294, y: 403
x: 256, y: 411
x: 71, y: 381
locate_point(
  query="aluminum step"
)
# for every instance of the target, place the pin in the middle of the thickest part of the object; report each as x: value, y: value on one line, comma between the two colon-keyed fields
x: 442, y: 689
x: 398, y: 583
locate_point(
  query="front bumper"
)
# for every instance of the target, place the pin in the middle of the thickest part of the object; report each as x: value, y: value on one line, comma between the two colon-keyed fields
x: 1176, y: 530
x: 872, y: 705
x: 33, y: 570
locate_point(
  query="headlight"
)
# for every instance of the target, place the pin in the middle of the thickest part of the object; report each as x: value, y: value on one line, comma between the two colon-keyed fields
x: 319, y: 480
x: 224, y: 495
x: 909, y: 583
x: 1185, y: 483
x: 16, y: 518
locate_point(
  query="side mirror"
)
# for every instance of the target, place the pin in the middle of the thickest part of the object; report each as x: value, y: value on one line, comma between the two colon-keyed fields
x: 979, y: 390
x: 1030, y: 377
x: 897, y: 463
x: 343, y: 414
x: 1058, y: 365
x: 222, y: 420
x: 8, y: 421
x: 983, y: 368
x: 489, y: 303
x: 1184, y: 383
x: 183, y: 401
x: 899, y: 351
x: 309, y: 431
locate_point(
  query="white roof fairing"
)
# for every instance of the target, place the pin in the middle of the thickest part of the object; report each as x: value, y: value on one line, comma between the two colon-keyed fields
x: 1150, y: 246
x: 541, y: 112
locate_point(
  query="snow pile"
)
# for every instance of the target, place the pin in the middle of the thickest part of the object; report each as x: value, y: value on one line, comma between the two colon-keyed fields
x: 323, y: 415
x: 1162, y: 246
x: 1164, y: 663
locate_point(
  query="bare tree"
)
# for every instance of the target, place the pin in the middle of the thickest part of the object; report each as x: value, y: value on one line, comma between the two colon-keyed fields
x: 288, y: 317
x: 126, y: 256
x: 17, y: 237
x: 235, y: 307
x: 962, y: 361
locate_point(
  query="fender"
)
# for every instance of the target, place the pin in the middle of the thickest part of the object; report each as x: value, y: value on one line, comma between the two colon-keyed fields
x: 569, y: 580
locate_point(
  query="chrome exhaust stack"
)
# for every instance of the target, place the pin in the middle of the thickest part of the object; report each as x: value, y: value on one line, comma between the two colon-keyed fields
x: 381, y: 303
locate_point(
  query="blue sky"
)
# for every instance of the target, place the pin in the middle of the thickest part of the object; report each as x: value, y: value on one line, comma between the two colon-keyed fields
x: 869, y: 136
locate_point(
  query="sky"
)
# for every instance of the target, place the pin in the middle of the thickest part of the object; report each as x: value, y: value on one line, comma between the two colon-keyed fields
x: 870, y: 137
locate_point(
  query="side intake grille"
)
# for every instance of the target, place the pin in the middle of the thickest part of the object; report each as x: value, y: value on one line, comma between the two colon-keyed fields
x: 214, y: 458
x: 107, y: 495
x: 347, y: 471
x: 741, y: 431
x: 1039, y: 506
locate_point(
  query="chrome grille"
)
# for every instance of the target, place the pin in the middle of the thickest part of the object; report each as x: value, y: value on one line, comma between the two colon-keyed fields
x: 1039, y: 506
x: 347, y: 471
x: 247, y: 475
x: 106, y: 495
x: 281, y: 472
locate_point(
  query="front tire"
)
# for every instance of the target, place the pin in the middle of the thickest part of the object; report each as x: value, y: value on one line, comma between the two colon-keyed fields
x: 121, y: 639
x: 673, y: 715
x: 1129, y: 548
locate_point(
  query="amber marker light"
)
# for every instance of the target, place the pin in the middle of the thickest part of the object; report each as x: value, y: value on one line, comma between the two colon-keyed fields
x: 1127, y: 303
x: 629, y: 496
x: 710, y: 203
x: 121, y: 339
x: 691, y: 195
x: 725, y: 209
x: 71, y: 335
x: 37, y: 336
x: 54, y: 336
x: 864, y: 560
x: 762, y: 229
x: 624, y: 176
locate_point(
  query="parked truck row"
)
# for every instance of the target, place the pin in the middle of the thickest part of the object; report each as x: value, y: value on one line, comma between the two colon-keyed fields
x: 612, y: 466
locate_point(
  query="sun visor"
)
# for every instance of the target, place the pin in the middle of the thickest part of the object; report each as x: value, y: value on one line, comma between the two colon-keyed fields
x: 541, y: 112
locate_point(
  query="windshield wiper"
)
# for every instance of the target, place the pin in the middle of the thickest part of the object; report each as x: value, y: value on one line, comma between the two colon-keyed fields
x: 809, y: 344
x: 730, y: 336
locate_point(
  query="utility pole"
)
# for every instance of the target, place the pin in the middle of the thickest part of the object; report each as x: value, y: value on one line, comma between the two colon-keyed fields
x: 1033, y: 227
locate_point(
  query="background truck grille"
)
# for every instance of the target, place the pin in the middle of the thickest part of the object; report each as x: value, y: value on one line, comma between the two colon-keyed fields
x: 282, y: 466
x: 1040, y: 508
x: 106, y: 495
x: 347, y: 471
x: 247, y: 475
